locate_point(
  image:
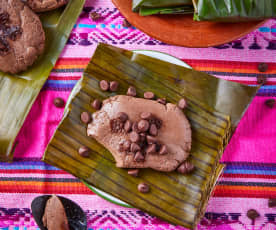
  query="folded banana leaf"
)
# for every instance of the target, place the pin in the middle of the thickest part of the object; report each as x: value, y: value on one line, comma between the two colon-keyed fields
x: 18, y: 92
x: 234, y: 10
x: 145, y: 11
x: 179, y: 199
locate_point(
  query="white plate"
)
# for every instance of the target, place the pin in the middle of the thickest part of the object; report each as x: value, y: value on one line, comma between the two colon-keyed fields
x: 163, y: 57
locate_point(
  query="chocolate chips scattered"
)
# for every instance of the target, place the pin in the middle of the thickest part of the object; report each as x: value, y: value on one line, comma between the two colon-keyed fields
x: 151, y: 149
x: 104, y: 85
x: 131, y: 91
x: 133, y: 172
x: 252, y: 214
x: 185, y: 167
x: 134, y: 148
x: 149, y: 95
x: 143, y: 188
x: 122, y: 116
x: 59, y: 102
x: 86, y: 117
x: 128, y: 126
x: 126, y: 146
x: 272, y: 202
x: 94, y: 16
x: 96, y: 104
x: 153, y: 130
x: 114, y: 86
x: 261, y: 80
x: 139, y: 157
x: 84, y: 151
x: 182, y: 104
x: 134, y: 137
x: 270, y: 103
x: 4, y: 18
x: 262, y: 67
x: 143, y: 126
x: 163, y: 150
x: 126, y: 23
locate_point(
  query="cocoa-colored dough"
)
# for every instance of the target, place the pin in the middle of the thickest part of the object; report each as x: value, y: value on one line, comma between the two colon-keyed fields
x: 175, y: 132
x: 26, y: 48
x: 44, y: 5
x: 54, y: 217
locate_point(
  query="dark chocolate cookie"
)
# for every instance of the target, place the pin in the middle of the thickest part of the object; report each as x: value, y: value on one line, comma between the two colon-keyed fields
x: 45, y: 5
x: 22, y: 37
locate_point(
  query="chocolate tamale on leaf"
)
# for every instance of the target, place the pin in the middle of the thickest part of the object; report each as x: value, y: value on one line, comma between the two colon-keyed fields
x: 18, y: 92
x: 234, y: 10
x: 180, y: 199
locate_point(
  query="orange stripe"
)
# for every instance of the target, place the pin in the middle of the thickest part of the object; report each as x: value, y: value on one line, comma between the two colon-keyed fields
x: 245, y: 188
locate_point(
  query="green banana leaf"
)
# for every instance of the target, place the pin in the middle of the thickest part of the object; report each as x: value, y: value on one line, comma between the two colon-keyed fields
x: 234, y: 10
x: 18, y: 92
x: 137, y: 4
x: 145, y: 11
x: 179, y: 199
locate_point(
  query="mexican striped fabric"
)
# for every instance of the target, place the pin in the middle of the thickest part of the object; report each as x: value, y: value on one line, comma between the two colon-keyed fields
x: 248, y: 181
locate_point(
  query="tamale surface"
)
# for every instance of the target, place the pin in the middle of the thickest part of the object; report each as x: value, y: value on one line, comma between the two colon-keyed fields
x: 18, y: 92
x: 179, y: 199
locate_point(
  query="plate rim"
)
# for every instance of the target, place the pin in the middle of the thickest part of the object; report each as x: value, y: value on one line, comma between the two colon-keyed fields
x: 172, y: 42
x: 101, y: 193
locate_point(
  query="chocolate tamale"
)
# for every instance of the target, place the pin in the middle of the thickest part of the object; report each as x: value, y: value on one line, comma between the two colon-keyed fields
x: 18, y: 92
x: 234, y: 10
x: 176, y: 198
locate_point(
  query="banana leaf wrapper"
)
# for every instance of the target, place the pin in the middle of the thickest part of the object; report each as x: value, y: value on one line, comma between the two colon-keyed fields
x: 137, y: 4
x: 234, y: 10
x: 145, y: 11
x: 179, y: 199
x: 18, y: 92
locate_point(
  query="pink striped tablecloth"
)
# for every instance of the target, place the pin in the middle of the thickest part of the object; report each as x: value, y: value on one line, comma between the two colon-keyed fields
x: 250, y: 176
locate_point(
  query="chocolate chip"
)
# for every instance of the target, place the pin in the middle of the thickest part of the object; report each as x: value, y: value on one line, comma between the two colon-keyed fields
x: 121, y: 147
x: 135, y: 127
x: 185, y: 167
x: 134, y: 148
x: 143, y: 125
x: 252, y: 214
x: 14, y: 32
x: 86, y: 117
x: 59, y: 102
x: 143, y: 188
x: 131, y: 91
x: 262, y: 67
x: 104, y: 85
x: 4, y: 18
x: 182, y: 103
x: 133, y: 172
x: 163, y: 150
x: 94, y: 16
x: 261, y: 80
x: 151, y: 149
x: 149, y: 95
x: 122, y: 116
x: 126, y: 23
x: 134, y: 137
x: 162, y: 101
x: 126, y: 145
x: 153, y: 130
x: 270, y: 103
x: 143, y: 137
x: 151, y: 139
x: 146, y: 115
x: 84, y: 151
x: 127, y: 126
x: 114, y: 86
x: 139, y: 157
x: 272, y: 202
x: 97, y: 104
x: 116, y: 125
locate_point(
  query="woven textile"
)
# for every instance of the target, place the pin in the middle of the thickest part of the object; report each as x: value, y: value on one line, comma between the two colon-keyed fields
x: 250, y: 176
